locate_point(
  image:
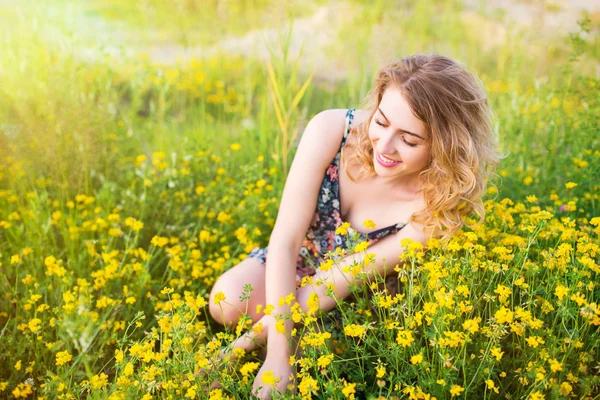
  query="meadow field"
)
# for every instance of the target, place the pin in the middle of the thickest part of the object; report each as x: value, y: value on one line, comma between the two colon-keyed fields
x: 144, y: 149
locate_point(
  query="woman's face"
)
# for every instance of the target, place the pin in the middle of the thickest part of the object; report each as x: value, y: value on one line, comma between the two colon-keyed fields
x: 400, y: 141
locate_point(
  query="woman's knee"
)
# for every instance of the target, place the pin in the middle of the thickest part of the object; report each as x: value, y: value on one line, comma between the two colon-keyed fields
x: 224, y: 309
x: 224, y: 314
x: 237, y: 300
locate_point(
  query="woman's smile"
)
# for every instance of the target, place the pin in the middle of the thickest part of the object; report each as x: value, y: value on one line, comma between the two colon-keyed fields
x: 386, y: 162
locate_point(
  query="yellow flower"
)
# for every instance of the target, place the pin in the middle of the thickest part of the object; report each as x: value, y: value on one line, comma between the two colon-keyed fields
x: 385, y: 301
x: 362, y: 246
x: 258, y: 328
x: 269, y: 309
x: 416, y: 359
x: 22, y: 390
x: 452, y: 339
x: 191, y: 392
x: 380, y: 371
x: 280, y: 326
x: 369, y: 224
x: 503, y: 292
x: 326, y: 265
x: 308, y: 386
x: 34, y: 324
x: 219, y: 297
x: 268, y: 378
x: 349, y: 390
x: 531, y: 198
x: 324, y: 361
x: 343, y: 229
x: 239, y: 352
x: 555, y: 365
x: 463, y: 290
x: 456, y: 390
x: 159, y: 241
x: 63, y: 357
x: 570, y: 185
x: 472, y: 325
x: 99, y: 381
x: 497, y: 353
x: 315, y: 339
x: 139, y: 160
x: 167, y: 291
x: 216, y: 394
x: 313, y: 303
x: 534, y: 341
x: 354, y: 330
x: 248, y: 368
x: 537, y: 396
x: 128, y: 370
x: 134, y: 224
x: 503, y: 315
x: 235, y: 146
x: 491, y: 386
x: 54, y: 266
x: 561, y: 291
x: 404, y: 338
x: 565, y: 388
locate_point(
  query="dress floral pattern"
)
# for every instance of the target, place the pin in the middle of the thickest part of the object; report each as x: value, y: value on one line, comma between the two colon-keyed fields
x: 321, y: 237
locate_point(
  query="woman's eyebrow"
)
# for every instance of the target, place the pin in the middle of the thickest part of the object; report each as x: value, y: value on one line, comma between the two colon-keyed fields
x: 401, y: 130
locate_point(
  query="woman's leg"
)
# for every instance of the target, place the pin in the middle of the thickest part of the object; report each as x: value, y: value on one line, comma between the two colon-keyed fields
x: 248, y: 272
x: 254, y: 338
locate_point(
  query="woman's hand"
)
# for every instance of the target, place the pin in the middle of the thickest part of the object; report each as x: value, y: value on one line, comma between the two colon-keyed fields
x: 274, y: 376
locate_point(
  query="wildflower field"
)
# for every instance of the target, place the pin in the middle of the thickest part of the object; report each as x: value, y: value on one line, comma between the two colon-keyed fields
x: 129, y: 182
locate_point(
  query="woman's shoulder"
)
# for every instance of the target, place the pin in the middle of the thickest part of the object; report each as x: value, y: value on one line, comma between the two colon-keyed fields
x: 322, y: 137
x: 327, y: 127
x: 335, y: 118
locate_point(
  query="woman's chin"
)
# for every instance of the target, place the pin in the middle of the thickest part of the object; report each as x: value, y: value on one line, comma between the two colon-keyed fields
x: 387, y: 171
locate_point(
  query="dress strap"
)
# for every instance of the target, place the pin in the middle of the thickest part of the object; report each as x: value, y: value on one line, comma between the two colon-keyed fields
x: 385, y: 231
x: 349, y: 119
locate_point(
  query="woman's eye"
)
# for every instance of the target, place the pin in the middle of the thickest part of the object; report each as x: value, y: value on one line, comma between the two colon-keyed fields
x: 404, y: 140
x: 410, y: 144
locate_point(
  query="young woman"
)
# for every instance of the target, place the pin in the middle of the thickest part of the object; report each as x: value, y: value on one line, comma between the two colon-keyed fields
x: 413, y: 164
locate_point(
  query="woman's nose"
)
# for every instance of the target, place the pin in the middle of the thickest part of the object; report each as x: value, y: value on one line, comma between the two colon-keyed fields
x: 387, y: 144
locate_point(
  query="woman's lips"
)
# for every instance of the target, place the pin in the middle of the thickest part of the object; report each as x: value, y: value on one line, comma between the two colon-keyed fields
x: 385, y: 164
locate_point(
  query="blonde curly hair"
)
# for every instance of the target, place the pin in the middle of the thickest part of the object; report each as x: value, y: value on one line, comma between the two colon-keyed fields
x: 454, y: 108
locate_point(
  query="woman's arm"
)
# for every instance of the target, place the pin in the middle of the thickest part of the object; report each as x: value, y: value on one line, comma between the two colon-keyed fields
x: 318, y: 146
x: 384, y: 255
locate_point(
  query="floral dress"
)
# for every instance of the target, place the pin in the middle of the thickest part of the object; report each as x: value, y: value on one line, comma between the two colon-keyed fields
x: 321, y: 237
